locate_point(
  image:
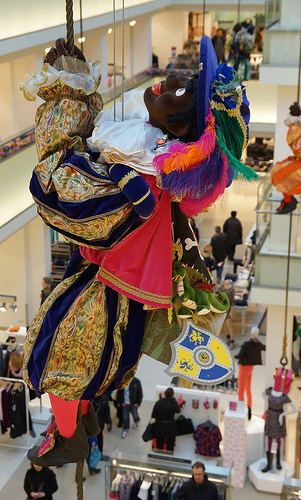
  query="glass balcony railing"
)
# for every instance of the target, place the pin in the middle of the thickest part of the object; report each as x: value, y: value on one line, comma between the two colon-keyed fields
x: 272, y: 239
x: 272, y: 12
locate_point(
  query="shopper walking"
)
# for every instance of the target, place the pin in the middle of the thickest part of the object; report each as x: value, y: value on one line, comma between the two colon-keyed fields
x: 15, y: 371
x: 228, y: 289
x: 164, y: 412
x: 194, y: 227
x: 209, y: 259
x: 198, y: 487
x: 46, y: 289
x: 130, y: 399
x: 218, y: 42
x: 40, y: 482
x: 220, y: 250
x: 233, y: 229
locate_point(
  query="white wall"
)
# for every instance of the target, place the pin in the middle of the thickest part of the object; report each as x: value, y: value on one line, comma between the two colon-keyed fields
x: 169, y: 29
x: 17, y: 114
x: 25, y: 260
x: 286, y: 96
x: 141, y: 45
x: 290, y: 14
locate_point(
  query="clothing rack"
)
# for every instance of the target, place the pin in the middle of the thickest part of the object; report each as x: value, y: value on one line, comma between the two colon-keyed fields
x: 131, y: 465
x: 17, y: 381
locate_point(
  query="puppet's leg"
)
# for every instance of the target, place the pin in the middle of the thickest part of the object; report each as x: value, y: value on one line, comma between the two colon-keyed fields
x: 287, y: 205
x: 66, y: 440
x: 65, y: 413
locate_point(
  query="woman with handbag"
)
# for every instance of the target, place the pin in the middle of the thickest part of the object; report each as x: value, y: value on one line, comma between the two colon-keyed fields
x: 164, y: 412
x: 40, y: 482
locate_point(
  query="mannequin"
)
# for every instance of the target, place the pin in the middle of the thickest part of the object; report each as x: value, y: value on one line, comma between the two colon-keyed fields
x: 275, y: 422
x: 248, y: 356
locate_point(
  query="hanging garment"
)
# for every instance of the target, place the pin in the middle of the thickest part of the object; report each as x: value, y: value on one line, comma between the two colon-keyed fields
x: 207, y: 439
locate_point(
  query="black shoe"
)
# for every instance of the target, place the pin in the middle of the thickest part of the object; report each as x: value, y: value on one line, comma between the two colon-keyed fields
x: 269, y: 462
x: 90, y: 422
x: 64, y: 451
x: 32, y: 433
x: 249, y: 413
x: 288, y: 207
x: 94, y: 471
x: 120, y: 424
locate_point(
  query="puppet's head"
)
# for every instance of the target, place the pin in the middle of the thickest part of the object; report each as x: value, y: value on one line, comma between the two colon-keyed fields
x: 198, y: 172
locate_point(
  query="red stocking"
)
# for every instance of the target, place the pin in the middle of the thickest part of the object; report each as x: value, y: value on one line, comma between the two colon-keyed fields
x: 65, y: 413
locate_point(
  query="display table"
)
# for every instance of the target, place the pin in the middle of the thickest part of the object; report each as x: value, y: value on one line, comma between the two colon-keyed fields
x: 19, y: 335
x: 271, y: 481
x: 235, y: 442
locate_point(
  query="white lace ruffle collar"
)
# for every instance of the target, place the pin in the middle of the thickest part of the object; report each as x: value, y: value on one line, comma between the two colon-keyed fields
x: 129, y: 141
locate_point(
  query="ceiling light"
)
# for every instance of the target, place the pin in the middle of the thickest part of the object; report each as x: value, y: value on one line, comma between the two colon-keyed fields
x: 81, y: 39
x: 9, y: 300
x: 110, y: 30
x: 132, y: 23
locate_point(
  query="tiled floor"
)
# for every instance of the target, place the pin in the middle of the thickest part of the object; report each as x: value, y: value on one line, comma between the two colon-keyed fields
x: 13, y: 464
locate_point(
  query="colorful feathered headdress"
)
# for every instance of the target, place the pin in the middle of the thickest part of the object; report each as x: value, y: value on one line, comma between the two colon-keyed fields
x: 197, y: 173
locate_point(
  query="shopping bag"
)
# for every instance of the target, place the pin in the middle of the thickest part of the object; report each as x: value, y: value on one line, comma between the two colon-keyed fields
x: 95, y: 453
x: 184, y: 426
x: 149, y: 433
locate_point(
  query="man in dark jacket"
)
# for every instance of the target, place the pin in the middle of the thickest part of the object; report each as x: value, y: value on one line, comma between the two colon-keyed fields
x: 198, y: 487
x: 130, y: 399
x: 248, y: 356
x: 220, y: 250
x: 232, y: 228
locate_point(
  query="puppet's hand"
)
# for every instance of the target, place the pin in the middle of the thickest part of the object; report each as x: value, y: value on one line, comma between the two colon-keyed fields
x: 135, y: 188
x: 60, y: 49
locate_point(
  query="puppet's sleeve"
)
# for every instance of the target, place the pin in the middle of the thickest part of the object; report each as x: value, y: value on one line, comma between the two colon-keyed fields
x: 65, y: 119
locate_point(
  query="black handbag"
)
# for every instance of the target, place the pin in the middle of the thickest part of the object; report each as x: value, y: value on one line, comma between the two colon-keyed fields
x: 149, y: 433
x: 184, y: 426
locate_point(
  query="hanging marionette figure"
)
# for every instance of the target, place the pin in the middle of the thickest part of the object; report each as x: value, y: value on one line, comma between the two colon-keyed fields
x: 286, y: 174
x: 123, y: 195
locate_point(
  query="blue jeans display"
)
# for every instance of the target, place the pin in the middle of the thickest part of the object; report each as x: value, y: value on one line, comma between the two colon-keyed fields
x: 126, y: 416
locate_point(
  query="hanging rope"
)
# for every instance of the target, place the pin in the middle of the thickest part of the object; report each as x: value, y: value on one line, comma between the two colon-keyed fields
x: 70, y: 49
x: 283, y: 360
x: 79, y: 465
x: 298, y: 87
x: 70, y: 31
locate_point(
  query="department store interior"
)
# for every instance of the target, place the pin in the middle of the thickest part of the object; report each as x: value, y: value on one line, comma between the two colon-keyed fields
x: 137, y: 45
